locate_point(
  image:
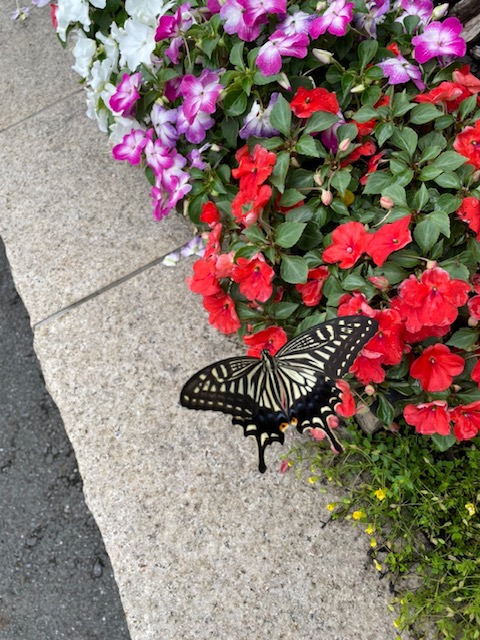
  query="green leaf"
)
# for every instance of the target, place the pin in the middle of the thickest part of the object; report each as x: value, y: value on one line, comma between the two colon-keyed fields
x: 448, y: 202
x: 385, y: 411
x: 449, y: 180
x: 430, y: 153
x: 235, y: 103
x: 441, y: 220
x: 247, y: 251
x: 299, y: 214
x: 426, y: 235
x: 283, y: 310
x: 406, y: 139
x: 377, y: 182
x: 449, y: 161
x: 421, y: 198
x: 319, y: 121
x: 463, y: 339
x: 392, y: 272
x: 308, y: 146
x: 397, y: 194
x: 467, y: 106
x: 423, y: 113
x: 444, y: 121
x: 254, y: 234
x: 340, y: 181
x: 291, y: 197
x: 366, y: 51
x: 443, y: 442
x: 288, y: 233
x: 236, y: 55
x: 280, y: 170
x: 353, y: 281
x: 455, y: 269
x: 293, y: 269
x: 384, y: 131
x: 281, y: 116
x: 429, y: 173
x: 364, y: 114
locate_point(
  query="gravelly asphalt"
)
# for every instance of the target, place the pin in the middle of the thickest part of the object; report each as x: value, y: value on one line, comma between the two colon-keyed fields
x: 56, y: 579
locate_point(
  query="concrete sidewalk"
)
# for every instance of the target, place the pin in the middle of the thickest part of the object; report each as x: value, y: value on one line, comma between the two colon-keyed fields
x: 201, y: 544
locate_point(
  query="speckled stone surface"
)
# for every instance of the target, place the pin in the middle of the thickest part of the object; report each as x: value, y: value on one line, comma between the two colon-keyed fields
x: 202, y: 544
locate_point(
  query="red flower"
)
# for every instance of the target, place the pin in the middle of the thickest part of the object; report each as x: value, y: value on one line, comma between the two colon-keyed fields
x: 466, y: 420
x: 436, y: 367
x: 432, y: 301
x: 450, y: 93
x: 429, y: 417
x: 474, y: 307
x: 312, y: 290
x: 389, y: 338
x: 391, y: 237
x: 366, y: 149
x: 222, y: 312
x: 255, y: 277
x: 467, y: 144
x: 204, y: 279
x: 355, y: 305
x: 224, y: 265
x: 247, y: 207
x: 368, y: 367
x: 393, y: 47
x: 308, y: 101
x: 469, y: 212
x: 348, y: 243
x: 371, y: 167
x: 466, y: 79
x: 210, y: 214
x: 476, y: 373
x: 346, y: 407
x: 271, y: 339
x: 253, y: 169
x: 212, y: 248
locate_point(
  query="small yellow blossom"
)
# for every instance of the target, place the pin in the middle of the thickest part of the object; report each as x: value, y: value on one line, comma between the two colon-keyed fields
x: 313, y: 479
x: 373, y: 543
x: 377, y: 564
x: 470, y: 507
x: 331, y: 506
x: 380, y: 494
x: 358, y: 515
x: 370, y: 529
x: 396, y: 623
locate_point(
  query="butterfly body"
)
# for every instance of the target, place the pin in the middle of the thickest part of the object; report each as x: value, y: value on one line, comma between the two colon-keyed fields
x: 294, y: 387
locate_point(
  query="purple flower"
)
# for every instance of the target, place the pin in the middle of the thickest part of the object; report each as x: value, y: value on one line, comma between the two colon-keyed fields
x: 257, y: 122
x: 172, y: 27
x: 131, y: 147
x: 398, y: 70
x: 329, y: 137
x: 257, y: 10
x: 376, y: 10
x: 298, y: 22
x: 195, y: 131
x: 195, y: 157
x: 163, y: 121
x: 233, y: 15
x: 126, y: 94
x: 439, y: 39
x: 171, y: 186
x: 334, y: 20
x: 421, y: 8
x: 269, y: 59
x: 200, y: 94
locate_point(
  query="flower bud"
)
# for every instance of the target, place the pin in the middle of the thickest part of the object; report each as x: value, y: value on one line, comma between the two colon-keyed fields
x: 326, y: 197
x: 214, y: 147
x: 323, y: 56
x: 431, y: 264
x: 379, y: 282
x: 284, y: 82
x: 386, y: 202
x: 294, y: 163
x: 440, y: 11
x: 317, y: 178
x: 320, y: 6
x: 344, y: 144
x: 476, y: 176
x: 472, y: 322
x: 370, y: 390
x: 359, y: 88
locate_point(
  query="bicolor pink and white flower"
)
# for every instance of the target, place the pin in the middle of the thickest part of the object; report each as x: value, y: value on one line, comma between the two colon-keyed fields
x: 164, y: 121
x: 126, y: 93
x: 131, y: 147
x: 398, y: 70
x: 335, y: 19
x: 269, y: 59
x: 199, y: 94
x: 439, y: 39
x: 233, y: 15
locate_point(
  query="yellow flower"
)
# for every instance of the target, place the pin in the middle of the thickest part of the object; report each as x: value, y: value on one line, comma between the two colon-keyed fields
x: 358, y: 515
x: 377, y: 564
x: 470, y: 507
x: 370, y: 529
x: 380, y: 494
x: 373, y: 543
x: 331, y: 506
x: 313, y: 479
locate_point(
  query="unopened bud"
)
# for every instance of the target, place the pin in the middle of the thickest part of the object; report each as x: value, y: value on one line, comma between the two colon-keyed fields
x: 431, y: 264
x: 472, y: 322
x: 386, y: 202
x: 317, y: 178
x: 440, y: 11
x: 359, y: 88
x: 394, y: 427
x: 323, y: 56
x: 344, y: 144
x: 294, y: 163
x: 284, y: 82
x: 320, y: 6
x: 214, y: 147
x: 370, y: 390
x: 379, y: 282
x: 476, y: 176
x: 326, y: 197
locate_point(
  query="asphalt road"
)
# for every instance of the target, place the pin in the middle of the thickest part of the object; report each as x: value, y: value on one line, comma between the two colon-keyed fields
x: 56, y: 580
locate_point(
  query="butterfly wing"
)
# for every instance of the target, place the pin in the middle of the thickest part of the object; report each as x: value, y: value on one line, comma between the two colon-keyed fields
x: 245, y: 388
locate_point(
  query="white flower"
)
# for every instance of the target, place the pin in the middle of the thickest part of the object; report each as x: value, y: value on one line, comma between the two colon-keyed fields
x: 147, y: 11
x: 111, y: 49
x: 69, y: 12
x: 83, y: 52
x: 99, y: 4
x: 137, y: 42
x: 121, y: 127
x: 94, y: 112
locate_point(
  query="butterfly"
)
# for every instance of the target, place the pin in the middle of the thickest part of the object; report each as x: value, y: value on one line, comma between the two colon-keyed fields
x: 295, y: 387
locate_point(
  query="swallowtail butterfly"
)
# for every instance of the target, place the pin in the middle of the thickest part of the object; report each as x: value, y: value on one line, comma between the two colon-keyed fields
x: 295, y: 387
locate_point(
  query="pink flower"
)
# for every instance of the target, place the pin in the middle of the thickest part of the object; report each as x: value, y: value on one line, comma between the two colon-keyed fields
x: 200, y: 94
x: 256, y: 12
x: 269, y: 59
x: 233, y: 15
x: 127, y: 93
x: 439, y: 39
x: 131, y: 147
x: 334, y: 20
x: 398, y: 70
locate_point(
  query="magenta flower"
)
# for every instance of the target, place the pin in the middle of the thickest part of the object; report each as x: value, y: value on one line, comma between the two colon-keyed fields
x: 233, y: 15
x: 170, y: 187
x: 126, y: 94
x: 157, y: 156
x: 131, y: 147
x: 257, y: 11
x: 334, y: 20
x: 200, y: 94
x: 195, y: 131
x: 172, y: 27
x: 439, y: 39
x: 398, y: 70
x: 269, y: 59
x: 421, y: 8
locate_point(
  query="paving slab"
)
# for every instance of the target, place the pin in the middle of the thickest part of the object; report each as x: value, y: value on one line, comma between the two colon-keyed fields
x: 202, y: 545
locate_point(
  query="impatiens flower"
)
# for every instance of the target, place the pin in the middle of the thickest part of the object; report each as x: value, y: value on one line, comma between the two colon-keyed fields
x: 372, y: 166
x: 428, y: 417
x: 311, y: 291
x: 367, y: 367
x: 437, y: 367
x: 474, y: 307
x: 204, y: 279
x: 349, y: 241
x: 212, y: 248
x: 449, y: 93
x: 421, y: 8
x: 257, y: 11
x: 222, y: 314
x: 466, y: 79
x: 376, y: 10
x: 355, y: 305
x: 346, y: 407
x: 391, y: 237
x: 246, y: 208
x: 399, y: 70
x: 469, y: 212
x: 305, y: 102
x: 127, y: 93
x: 171, y: 28
x: 233, y: 16
x: 269, y: 59
x: 257, y: 122
x: 271, y: 339
x: 389, y: 338
x: 467, y: 143
x: 466, y: 421
x: 136, y: 42
x: 475, y: 375
x: 439, y: 39
x: 196, y: 130
x: 131, y: 147
x: 255, y: 278
x: 335, y: 19
x: 163, y: 121
x: 254, y: 168
x: 199, y: 94
x: 297, y: 22
x: 210, y: 214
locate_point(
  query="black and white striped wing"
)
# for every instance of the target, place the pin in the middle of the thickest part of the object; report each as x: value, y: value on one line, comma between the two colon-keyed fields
x: 244, y: 388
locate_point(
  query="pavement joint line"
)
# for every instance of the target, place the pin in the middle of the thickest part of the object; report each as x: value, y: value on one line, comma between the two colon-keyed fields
x: 45, y: 108
x: 99, y: 292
